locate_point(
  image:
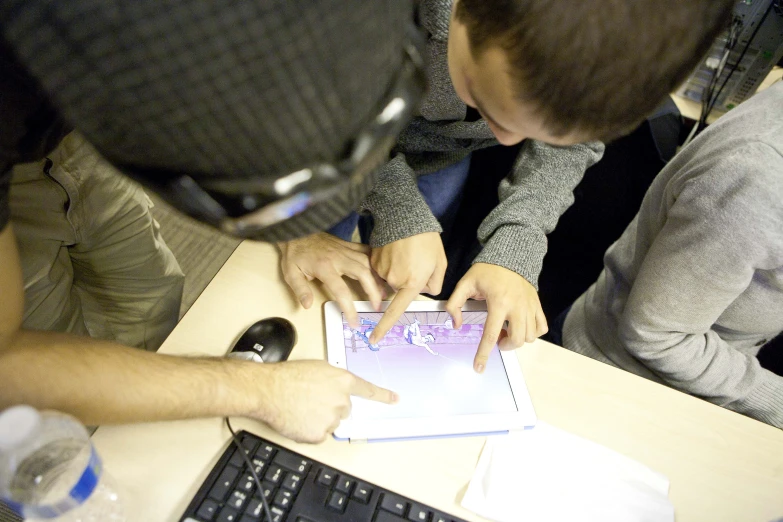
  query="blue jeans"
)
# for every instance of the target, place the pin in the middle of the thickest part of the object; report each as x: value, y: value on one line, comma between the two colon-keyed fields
x: 442, y: 190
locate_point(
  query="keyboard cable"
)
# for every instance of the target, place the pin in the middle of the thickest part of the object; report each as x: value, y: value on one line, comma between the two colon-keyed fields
x: 241, y: 450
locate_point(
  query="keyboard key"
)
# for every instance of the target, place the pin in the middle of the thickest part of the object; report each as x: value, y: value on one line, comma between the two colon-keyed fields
x: 337, y: 501
x: 418, y: 513
x: 385, y: 516
x: 290, y: 461
x: 344, y: 485
x: 284, y: 499
x: 259, y: 466
x: 207, y: 510
x: 269, y: 490
x: 250, y: 443
x: 278, y: 515
x: 228, y: 515
x: 255, y: 509
x: 237, y: 500
x: 440, y: 517
x: 236, y: 459
x: 246, y: 483
x: 224, y: 483
x: 362, y: 493
x: 393, y: 503
x: 248, y: 518
x: 274, y: 474
x: 326, y: 477
x: 265, y: 452
x: 293, y: 482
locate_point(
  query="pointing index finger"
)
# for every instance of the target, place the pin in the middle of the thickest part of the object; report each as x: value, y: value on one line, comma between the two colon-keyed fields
x: 392, y: 314
x: 368, y: 390
x: 492, y: 328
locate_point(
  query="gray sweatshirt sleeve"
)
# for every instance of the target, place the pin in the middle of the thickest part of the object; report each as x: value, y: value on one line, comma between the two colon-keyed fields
x: 397, y: 206
x: 722, y: 232
x: 534, y: 196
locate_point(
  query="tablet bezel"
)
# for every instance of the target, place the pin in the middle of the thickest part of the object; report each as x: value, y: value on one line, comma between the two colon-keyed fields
x: 374, y: 429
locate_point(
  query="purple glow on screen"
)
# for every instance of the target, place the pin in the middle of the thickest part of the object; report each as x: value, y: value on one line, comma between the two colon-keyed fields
x: 430, y: 366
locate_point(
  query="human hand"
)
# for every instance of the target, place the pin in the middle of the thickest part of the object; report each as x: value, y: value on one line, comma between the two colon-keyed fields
x: 306, y: 400
x: 327, y: 258
x: 412, y: 265
x: 510, y: 297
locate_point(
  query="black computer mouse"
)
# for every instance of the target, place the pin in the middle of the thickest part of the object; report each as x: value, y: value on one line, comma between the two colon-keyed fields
x: 269, y: 340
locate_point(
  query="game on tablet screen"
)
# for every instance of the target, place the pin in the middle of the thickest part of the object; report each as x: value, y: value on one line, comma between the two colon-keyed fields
x: 429, y: 364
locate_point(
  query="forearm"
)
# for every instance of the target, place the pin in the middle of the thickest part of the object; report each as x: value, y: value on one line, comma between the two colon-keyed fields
x: 532, y: 199
x: 397, y: 205
x: 706, y: 366
x: 102, y: 382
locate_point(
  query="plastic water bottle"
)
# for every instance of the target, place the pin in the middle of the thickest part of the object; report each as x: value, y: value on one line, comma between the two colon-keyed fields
x: 49, y: 469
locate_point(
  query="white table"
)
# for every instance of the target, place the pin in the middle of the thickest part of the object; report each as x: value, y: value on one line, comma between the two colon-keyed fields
x: 722, y: 466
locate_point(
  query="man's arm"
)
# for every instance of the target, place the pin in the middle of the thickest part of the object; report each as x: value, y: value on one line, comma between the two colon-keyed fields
x: 407, y: 251
x: 534, y: 196
x: 100, y: 381
x: 724, y: 230
x: 103, y: 382
x: 398, y: 208
x: 505, y: 273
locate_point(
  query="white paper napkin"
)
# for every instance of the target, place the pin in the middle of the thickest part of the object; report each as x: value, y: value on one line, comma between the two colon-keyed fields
x: 548, y: 474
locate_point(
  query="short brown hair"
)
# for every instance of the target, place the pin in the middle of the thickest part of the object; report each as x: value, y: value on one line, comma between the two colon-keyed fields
x: 598, y: 67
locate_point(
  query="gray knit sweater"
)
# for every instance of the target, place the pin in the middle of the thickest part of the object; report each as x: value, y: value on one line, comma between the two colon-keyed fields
x: 694, y: 286
x: 532, y: 198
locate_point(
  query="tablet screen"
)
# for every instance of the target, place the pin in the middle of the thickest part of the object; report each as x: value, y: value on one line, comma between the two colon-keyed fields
x: 429, y: 364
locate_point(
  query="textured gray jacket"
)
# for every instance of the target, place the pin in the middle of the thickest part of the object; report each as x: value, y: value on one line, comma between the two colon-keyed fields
x: 694, y: 286
x: 532, y: 198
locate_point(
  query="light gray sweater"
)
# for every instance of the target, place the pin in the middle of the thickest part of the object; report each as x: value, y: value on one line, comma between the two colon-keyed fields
x: 694, y: 286
x: 532, y: 198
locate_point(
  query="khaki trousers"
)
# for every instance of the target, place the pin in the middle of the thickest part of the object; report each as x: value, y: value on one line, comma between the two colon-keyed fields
x: 92, y: 256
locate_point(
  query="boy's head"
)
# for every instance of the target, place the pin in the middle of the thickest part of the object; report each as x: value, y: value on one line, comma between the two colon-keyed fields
x: 563, y: 72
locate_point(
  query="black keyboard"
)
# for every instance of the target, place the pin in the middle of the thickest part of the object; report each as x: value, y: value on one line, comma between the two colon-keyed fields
x: 297, y: 489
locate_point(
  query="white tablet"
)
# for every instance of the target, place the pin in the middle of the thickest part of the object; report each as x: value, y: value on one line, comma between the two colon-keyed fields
x: 429, y: 365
